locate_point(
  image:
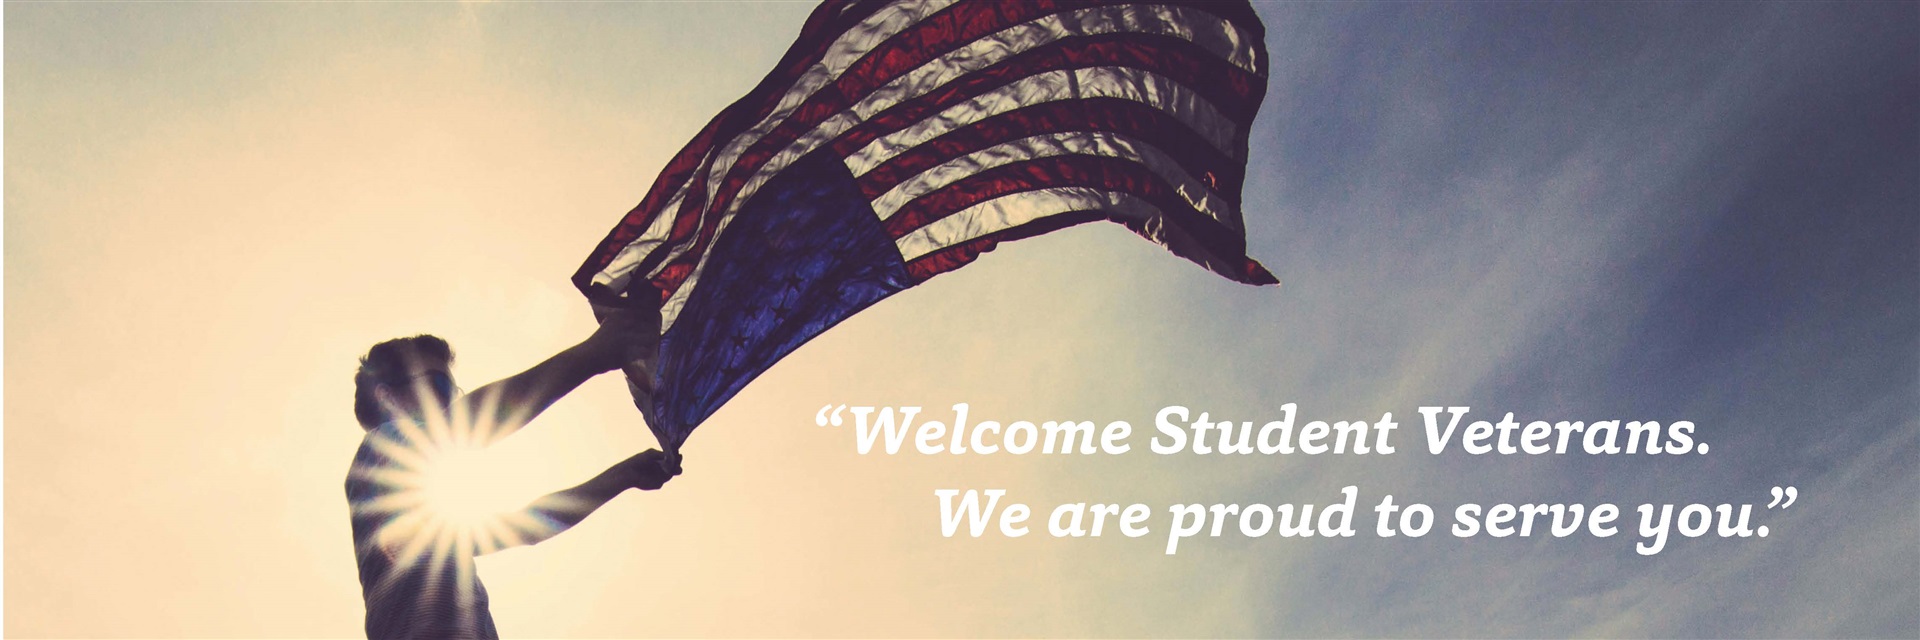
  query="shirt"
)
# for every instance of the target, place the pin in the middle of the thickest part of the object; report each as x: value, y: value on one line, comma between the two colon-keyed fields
x: 421, y: 589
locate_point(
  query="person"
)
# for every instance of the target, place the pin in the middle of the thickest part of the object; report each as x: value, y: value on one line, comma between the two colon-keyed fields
x: 417, y: 572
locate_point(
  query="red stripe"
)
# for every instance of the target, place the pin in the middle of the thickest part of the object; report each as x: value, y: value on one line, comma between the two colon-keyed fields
x: 671, y: 277
x: 1141, y: 122
x: 687, y: 217
x: 1100, y: 172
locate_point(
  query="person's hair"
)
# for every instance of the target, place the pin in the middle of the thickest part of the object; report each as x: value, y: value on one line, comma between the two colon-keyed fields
x: 386, y: 365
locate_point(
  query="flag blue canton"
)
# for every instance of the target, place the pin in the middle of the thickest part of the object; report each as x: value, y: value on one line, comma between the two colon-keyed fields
x: 806, y: 253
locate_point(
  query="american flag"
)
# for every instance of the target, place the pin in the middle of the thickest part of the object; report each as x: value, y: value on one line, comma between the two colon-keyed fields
x: 898, y: 140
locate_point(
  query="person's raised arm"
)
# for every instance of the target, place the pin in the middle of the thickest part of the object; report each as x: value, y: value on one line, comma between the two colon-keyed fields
x: 560, y: 510
x: 502, y: 407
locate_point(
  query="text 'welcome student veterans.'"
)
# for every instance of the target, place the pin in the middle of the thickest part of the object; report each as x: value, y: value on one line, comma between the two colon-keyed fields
x: 1178, y: 430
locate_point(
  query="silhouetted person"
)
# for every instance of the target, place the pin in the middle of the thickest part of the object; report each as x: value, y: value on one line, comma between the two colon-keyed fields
x: 416, y: 567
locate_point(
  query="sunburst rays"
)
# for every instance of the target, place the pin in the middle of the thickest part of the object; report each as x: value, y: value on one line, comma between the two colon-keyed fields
x: 441, y: 496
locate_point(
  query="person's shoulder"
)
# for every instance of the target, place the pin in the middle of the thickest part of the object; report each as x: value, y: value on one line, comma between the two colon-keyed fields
x: 384, y: 440
x: 373, y: 456
x: 371, y: 445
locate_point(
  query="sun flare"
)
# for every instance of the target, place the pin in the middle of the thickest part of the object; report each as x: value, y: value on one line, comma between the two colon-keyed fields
x: 450, y: 496
x: 463, y: 488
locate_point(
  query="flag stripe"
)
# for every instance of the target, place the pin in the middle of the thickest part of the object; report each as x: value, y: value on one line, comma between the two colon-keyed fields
x: 1008, y: 211
x: 959, y: 255
x: 1125, y: 117
x: 647, y: 214
x: 645, y: 245
x: 1145, y: 87
x: 948, y: 55
x: 909, y: 199
x: 1244, y: 270
x: 935, y: 210
x: 1233, y: 91
x: 1047, y: 160
x: 686, y: 221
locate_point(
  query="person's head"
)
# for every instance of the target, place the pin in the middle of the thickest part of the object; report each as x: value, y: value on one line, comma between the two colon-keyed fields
x: 402, y: 374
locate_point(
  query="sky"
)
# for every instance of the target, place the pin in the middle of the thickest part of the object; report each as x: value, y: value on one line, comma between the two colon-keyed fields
x: 1672, y: 211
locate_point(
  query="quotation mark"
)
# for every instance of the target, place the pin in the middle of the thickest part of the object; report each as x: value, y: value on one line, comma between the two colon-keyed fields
x: 1790, y: 493
x: 822, y: 419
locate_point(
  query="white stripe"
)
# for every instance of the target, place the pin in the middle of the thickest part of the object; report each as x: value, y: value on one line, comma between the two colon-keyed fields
x: 1013, y: 210
x: 1145, y: 87
x: 1086, y: 143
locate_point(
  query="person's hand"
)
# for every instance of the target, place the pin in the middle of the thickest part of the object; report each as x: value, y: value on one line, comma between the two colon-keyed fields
x: 629, y: 335
x: 649, y: 470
